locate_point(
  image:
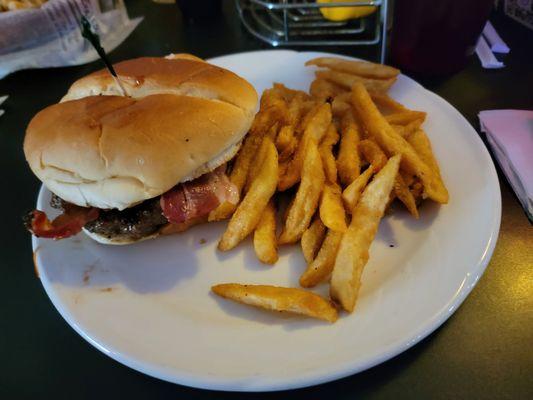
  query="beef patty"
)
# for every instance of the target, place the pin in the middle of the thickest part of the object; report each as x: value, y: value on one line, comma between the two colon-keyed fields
x: 132, y: 223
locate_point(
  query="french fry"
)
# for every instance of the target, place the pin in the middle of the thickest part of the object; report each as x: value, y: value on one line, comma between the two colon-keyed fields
x: 402, y: 193
x: 307, y: 197
x: 417, y: 190
x: 326, y: 152
x: 320, y: 268
x: 420, y: 142
x: 312, y: 239
x: 223, y: 211
x: 392, y: 143
x: 406, y: 130
x: 339, y: 107
x: 265, y: 242
x: 372, y: 154
x: 400, y: 130
x: 315, y: 129
x: 355, y: 244
x: 348, y: 163
x: 413, y: 126
x: 331, y: 137
x: 239, y: 174
x: 405, y: 117
x: 306, y: 116
x: 249, y: 211
x: 386, y: 104
x: 286, y: 142
x: 346, y: 80
x: 331, y: 209
x: 350, y: 195
x: 259, y: 159
x: 289, y: 94
x: 272, y: 98
x: 275, y: 298
x: 298, y: 106
x: 262, y: 123
x: 361, y: 68
x: 323, y: 90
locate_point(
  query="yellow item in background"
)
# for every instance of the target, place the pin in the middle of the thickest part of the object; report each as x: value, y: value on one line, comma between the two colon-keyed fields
x: 344, y: 13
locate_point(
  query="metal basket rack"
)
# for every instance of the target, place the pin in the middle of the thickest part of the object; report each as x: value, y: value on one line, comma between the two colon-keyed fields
x: 300, y: 23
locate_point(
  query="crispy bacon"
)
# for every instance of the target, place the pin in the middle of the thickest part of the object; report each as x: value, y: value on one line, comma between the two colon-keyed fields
x: 198, y: 197
x: 67, y: 224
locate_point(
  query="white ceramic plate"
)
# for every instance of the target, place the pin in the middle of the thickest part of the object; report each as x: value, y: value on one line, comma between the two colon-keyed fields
x: 149, y: 305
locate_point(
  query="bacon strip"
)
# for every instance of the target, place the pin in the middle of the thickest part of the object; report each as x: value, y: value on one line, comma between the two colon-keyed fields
x: 198, y: 197
x: 65, y: 225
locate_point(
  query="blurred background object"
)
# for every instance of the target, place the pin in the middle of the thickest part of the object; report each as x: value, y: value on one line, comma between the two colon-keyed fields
x: 521, y: 11
x: 436, y: 37
x: 320, y: 23
x: 49, y: 36
x: 194, y: 10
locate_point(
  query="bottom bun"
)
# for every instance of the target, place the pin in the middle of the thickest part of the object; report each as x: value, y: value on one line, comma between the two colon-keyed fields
x: 168, y: 229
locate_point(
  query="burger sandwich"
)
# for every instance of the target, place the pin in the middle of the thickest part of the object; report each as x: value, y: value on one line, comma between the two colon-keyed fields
x: 146, y: 155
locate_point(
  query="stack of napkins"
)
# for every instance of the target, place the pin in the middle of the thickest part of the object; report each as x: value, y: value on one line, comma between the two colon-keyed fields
x: 510, y: 135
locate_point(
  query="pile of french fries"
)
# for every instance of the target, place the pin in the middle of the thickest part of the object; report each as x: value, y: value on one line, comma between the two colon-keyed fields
x: 340, y: 155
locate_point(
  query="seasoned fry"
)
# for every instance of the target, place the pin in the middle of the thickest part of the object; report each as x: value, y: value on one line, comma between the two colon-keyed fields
x: 331, y: 137
x: 413, y: 126
x: 272, y: 98
x: 320, y: 268
x: 324, y: 90
x: 347, y: 80
x: 286, y: 142
x: 223, y: 211
x: 289, y: 94
x: 405, y: 117
x: 348, y: 163
x: 262, y: 123
x: 309, y: 114
x: 417, y: 190
x: 406, y: 130
x: 355, y: 244
x: 339, y: 107
x: 326, y: 152
x: 372, y: 154
x: 312, y: 239
x: 306, y: 200
x: 350, y: 195
x: 386, y: 103
x: 401, y: 191
x: 331, y: 209
x: 362, y: 68
x: 275, y: 298
x: 392, y: 143
x: 239, y: 174
x: 422, y: 146
x: 255, y: 167
x: 265, y: 242
x: 249, y: 211
x: 298, y: 106
x: 315, y: 129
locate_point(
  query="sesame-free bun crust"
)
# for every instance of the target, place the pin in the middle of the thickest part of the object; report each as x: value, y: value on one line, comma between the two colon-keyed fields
x: 183, y: 118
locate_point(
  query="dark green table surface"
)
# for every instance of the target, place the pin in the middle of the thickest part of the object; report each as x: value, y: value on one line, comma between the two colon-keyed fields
x: 484, y: 351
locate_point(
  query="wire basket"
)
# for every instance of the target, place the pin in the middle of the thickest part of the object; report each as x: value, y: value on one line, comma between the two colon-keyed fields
x: 300, y: 23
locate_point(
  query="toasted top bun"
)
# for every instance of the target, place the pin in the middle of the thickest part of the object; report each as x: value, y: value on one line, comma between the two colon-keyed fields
x: 182, y: 118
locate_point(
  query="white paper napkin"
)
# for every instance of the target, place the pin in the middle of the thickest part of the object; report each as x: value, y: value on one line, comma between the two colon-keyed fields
x: 510, y: 135
x: 487, y: 58
x: 497, y: 45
